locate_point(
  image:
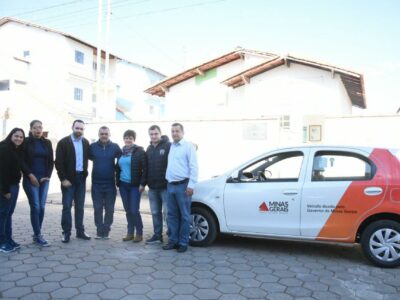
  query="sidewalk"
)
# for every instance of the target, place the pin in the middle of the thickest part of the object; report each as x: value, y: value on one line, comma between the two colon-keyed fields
x: 231, y: 269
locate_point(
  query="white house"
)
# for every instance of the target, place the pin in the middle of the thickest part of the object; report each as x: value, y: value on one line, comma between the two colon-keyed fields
x: 132, y: 102
x: 248, y: 84
x: 50, y: 75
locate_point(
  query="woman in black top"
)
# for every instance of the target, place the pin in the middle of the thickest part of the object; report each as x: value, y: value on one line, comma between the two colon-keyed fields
x: 10, y: 176
x: 39, y: 161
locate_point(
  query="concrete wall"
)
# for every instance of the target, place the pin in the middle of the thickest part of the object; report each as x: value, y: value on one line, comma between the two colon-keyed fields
x: 224, y: 144
x: 371, y: 131
x: 221, y: 144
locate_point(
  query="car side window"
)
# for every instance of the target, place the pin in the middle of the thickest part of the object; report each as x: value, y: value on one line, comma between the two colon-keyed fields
x: 280, y: 167
x: 341, y: 166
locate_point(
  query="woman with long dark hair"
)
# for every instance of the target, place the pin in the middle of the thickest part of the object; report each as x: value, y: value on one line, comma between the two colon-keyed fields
x: 39, y: 161
x: 11, y: 154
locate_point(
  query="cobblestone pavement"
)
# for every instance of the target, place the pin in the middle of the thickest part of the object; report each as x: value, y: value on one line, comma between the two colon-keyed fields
x: 233, y: 268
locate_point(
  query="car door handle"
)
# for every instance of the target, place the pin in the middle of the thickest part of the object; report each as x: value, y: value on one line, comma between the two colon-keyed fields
x: 290, y: 192
x: 373, y: 191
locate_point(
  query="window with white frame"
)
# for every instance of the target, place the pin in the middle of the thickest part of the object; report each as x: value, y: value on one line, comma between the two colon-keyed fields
x: 79, y: 57
x: 78, y: 94
x: 27, y: 53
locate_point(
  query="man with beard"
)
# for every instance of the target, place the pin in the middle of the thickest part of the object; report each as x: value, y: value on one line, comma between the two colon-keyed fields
x: 72, y: 155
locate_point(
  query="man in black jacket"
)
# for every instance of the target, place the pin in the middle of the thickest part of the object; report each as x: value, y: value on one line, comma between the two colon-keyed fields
x: 157, y: 161
x: 72, y: 155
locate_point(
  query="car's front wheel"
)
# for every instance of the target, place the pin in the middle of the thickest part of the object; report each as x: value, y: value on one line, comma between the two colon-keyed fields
x: 203, y: 228
x: 380, y: 242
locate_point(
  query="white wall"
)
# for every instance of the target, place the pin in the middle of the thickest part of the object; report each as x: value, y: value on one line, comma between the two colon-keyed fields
x: 190, y: 100
x: 370, y: 131
x: 221, y: 144
x: 226, y: 143
x: 296, y: 90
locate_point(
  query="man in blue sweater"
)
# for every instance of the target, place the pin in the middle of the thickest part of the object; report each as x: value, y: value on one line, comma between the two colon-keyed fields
x: 104, y: 153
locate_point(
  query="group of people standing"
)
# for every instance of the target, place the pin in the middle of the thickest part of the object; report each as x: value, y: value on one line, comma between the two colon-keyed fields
x: 169, y: 170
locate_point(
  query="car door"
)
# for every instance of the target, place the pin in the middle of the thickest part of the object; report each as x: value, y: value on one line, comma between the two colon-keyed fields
x: 340, y: 186
x: 265, y: 198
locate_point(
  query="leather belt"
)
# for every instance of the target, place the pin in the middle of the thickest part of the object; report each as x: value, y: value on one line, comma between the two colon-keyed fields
x: 180, y: 182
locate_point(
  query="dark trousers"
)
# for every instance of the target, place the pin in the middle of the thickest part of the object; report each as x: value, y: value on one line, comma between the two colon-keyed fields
x: 7, y: 207
x: 103, y: 196
x: 76, y: 194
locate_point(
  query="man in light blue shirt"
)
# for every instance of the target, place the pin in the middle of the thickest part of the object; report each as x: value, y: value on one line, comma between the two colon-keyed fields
x: 77, y: 141
x: 182, y: 174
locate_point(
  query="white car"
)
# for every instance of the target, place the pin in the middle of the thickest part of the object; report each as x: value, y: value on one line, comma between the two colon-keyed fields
x: 338, y: 194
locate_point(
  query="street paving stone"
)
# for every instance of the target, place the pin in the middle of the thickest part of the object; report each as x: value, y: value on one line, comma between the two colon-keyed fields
x: 233, y: 268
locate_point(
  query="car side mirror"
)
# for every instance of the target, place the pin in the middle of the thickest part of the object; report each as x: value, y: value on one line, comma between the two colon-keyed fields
x: 234, y: 177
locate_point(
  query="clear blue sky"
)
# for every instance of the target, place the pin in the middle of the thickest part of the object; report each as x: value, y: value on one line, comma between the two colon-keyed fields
x: 169, y: 35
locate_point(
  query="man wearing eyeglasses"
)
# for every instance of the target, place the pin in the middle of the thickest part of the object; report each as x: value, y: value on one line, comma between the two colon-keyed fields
x: 104, y: 153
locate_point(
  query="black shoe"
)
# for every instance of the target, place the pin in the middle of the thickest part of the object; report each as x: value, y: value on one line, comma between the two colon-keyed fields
x: 154, y: 240
x: 65, y: 237
x: 170, y: 246
x: 181, y: 249
x: 83, y: 236
x: 14, y: 244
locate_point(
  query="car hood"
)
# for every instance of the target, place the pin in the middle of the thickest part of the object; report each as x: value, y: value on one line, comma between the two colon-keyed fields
x: 209, y: 190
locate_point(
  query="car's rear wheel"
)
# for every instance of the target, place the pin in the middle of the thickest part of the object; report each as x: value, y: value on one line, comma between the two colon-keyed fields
x: 380, y: 242
x: 203, y: 228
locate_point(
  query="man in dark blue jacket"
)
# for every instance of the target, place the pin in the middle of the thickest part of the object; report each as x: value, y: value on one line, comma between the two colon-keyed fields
x: 104, y: 153
x: 157, y: 161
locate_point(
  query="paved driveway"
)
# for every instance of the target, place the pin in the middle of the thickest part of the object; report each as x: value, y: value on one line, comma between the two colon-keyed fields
x: 233, y: 268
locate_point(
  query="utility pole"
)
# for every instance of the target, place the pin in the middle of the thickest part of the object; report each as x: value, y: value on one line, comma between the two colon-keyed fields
x: 5, y: 118
x: 107, y: 48
x: 99, y: 98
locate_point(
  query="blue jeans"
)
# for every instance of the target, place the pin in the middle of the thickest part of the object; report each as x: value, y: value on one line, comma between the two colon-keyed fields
x: 76, y: 194
x: 131, y: 200
x: 7, y: 207
x: 158, y: 207
x: 179, y: 205
x: 37, y: 196
x: 103, y: 196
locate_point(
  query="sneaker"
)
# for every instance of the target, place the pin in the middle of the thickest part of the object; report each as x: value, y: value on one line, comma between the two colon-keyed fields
x: 154, y: 240
x: 106, y: 236
x: 6, y: 248
x: 14, y: 244
x: 138, y: 238
x: 182, y: 249
x: 170, y: 246
x: 40, y: 241
x: 128, y: 237
x: 98, y: 236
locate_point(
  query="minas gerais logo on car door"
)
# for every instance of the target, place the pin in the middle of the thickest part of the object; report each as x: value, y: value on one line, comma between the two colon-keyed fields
x: 274, y: 207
